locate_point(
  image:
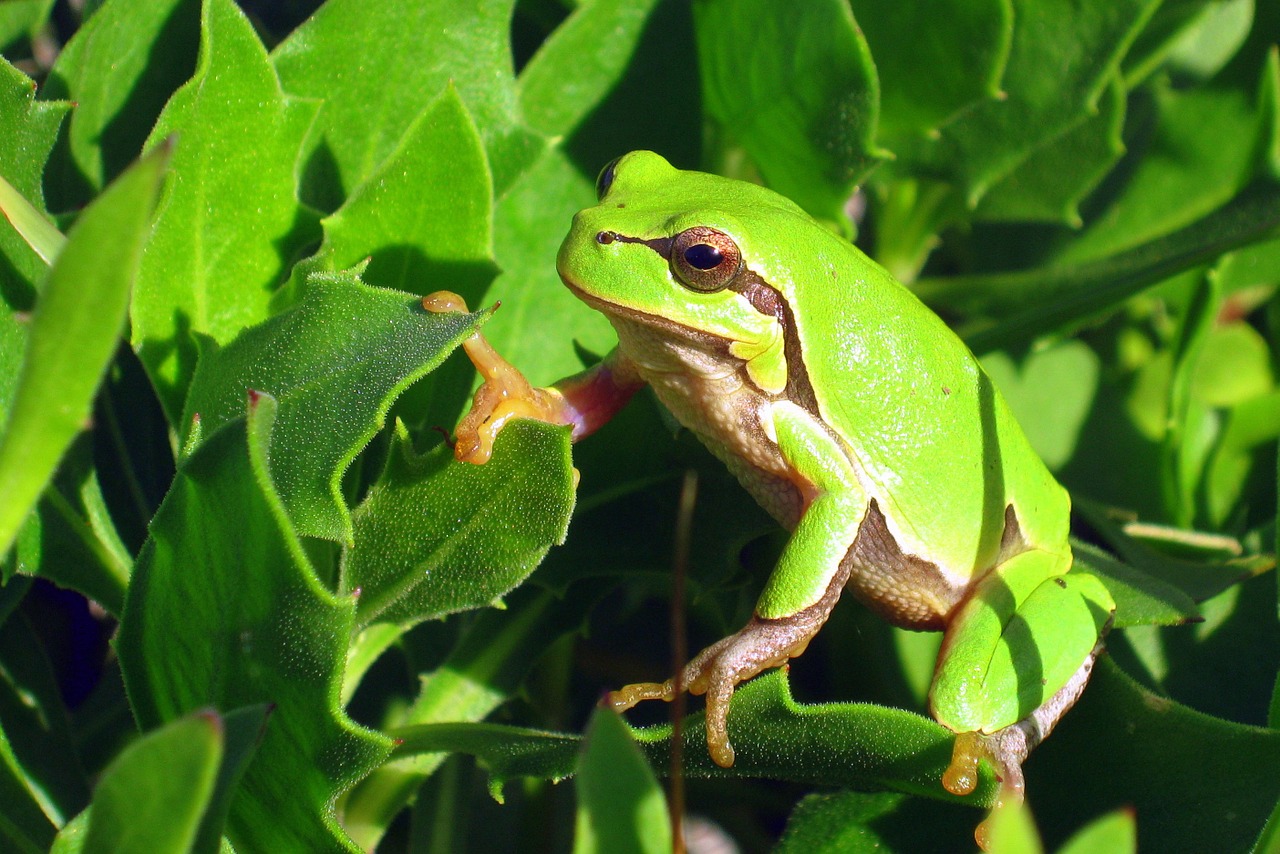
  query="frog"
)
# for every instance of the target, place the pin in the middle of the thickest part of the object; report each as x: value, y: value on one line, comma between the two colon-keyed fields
x: 857, y: 419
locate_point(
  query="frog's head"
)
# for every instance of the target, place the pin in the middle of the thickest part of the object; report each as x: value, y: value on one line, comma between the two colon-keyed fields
x: 688, y: 252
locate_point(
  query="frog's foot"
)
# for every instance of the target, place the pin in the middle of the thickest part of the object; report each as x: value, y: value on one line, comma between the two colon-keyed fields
x: 505, y: 394
x: 721, y: 667
x: 1006, y: 749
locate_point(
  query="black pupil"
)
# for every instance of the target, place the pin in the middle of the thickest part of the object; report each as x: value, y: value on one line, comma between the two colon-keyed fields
x: 703, y: 256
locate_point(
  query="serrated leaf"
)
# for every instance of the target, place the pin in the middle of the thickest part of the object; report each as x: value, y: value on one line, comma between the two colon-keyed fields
x: 119, y: 68
x: 423, y: 217
x: 372, y: 96
x: 965, y: 60
x: 620, y: 807
x: 151, y: 797
x: 1202, y: 153
x: 1049, y: 185
x: 225, y: 610
x: 229, y: 222
x: 796, y: 87
x: 335, y: 362
x: 73, y: 335
x: 1062, y: 56
x: 436, y: 536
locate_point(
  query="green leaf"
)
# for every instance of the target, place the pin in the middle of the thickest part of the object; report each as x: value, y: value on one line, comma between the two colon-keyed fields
x: 1141, y: 599
x: 243, y: 730
x: 151, y: 797
x: 118, y: 69
x: 1061, y: 58
x: 1033, y: 302
x: 32, y: 226
x: 850, y: 822
x: 1012, y: 830
x: 334, y: 362
x: 29, y: 128
x: 224, y: 609
x: 1049, y: 185
x: 795, y: 86
x: 580, y: 62
x: 74, y: 333
x: 372, y: 96
x: 837, y: 744
x: 436, y: 536
x: 966, y: 60
x: 229, y: 223
x: 620, y: 807
x: 22, y: 19
x: 422, y: 218
x: 1202, y: 153
x: 1114, y: 833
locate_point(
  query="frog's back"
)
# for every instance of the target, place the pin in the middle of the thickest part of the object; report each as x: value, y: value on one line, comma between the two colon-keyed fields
x: 932, y: 434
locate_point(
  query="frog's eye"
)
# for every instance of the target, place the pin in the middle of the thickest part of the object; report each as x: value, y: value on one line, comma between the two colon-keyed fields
x: 605, y: 180
x: 705, y: 259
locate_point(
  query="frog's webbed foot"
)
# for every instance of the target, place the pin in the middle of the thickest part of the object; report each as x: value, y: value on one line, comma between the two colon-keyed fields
x: 721, y: 667
x: 505, y: 394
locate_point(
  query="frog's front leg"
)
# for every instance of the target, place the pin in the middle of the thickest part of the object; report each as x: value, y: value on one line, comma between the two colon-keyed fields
x: 1014, y: 659
x: 584, y: 401
x: 800, y: 593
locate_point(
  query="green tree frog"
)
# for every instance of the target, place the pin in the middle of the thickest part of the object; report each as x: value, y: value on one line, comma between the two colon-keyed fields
x: 856, y: 418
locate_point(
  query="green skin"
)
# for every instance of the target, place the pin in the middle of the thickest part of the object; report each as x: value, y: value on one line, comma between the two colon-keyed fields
x: 859, y: 420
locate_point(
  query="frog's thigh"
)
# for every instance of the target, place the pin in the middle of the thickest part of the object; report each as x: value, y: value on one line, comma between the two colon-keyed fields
x: 1019, y: 639
x: 829, y: 524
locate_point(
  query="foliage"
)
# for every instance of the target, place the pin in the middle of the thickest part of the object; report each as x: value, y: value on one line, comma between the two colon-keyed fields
x: 220, y: 394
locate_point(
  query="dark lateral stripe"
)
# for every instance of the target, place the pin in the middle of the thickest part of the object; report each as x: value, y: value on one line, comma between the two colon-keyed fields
x: 767, y: 300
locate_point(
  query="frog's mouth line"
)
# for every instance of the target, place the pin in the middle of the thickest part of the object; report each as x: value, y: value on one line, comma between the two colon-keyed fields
x: 704, y: 340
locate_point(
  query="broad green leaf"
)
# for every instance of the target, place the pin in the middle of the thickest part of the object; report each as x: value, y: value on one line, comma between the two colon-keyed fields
x: 119, y: 69
x: 423, y: 217
x: 29, y: 127
x: 1124, y: 747
x: 1049, y: 185
x: 1202, y: 153
x: 965, y: 60
x: 1062, y: 55
x: 229, y: 222
x: 73, y: 335
x: 436, y: 536
x: 620, y: 807
x: 577, y: 66
x: 1114, y: 833
x: 796, y: 87
x: 334, y: 362
x: 150, y: 799
x: 372, y: 96
x: 1163, y: 32
x: 225, y: 610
